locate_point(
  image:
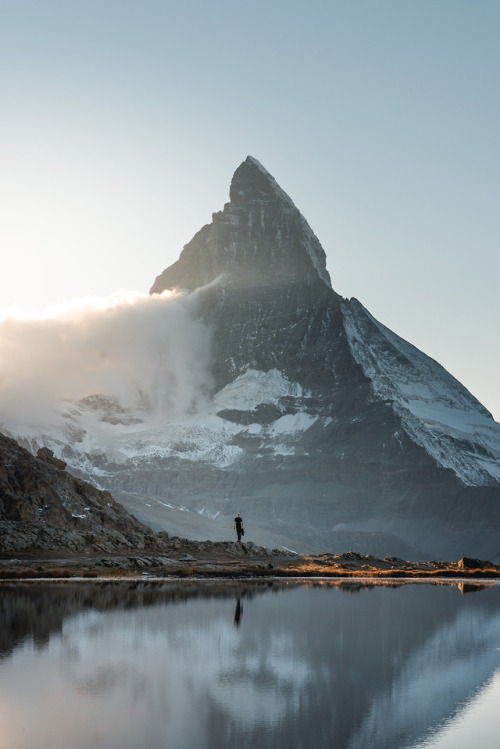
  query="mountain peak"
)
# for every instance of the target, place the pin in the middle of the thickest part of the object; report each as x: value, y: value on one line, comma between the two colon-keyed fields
x: 259, y: 239
x: 251, y: 181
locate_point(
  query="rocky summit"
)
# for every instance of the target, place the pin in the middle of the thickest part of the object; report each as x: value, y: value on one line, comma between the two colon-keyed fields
x: 323, y: 428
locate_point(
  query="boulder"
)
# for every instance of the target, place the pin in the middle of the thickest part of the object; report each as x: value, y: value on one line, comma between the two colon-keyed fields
x: 48, y: 456
x: 467, y: 563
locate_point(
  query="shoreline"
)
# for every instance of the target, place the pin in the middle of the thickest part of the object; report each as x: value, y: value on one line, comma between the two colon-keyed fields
x: 466, y: 583
x: 190, y: 560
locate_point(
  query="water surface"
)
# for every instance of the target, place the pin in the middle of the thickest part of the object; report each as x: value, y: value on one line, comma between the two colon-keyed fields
x: 185, y: 665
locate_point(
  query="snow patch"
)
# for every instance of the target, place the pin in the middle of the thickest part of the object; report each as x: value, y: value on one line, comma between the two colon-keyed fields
x: 291, y: 424
x: 254, y: 388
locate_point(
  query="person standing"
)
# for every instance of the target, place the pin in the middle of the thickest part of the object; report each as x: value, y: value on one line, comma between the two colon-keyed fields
x: 238, y: 525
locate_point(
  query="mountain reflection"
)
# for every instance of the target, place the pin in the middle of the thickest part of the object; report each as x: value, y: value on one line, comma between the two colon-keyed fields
x: 154, y: 665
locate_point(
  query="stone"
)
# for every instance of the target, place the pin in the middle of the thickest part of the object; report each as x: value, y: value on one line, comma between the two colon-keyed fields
x: 467, y: 563
x: 48, y: 456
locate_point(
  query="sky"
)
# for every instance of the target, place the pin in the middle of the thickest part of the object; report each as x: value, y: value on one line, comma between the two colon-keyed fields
x: 123, y: 121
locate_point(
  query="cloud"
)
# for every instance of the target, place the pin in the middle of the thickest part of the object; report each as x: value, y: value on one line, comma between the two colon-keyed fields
x: 149, y: 351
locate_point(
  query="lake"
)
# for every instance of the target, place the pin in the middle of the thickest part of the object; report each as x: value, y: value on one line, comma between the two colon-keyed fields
x: 196, y: 665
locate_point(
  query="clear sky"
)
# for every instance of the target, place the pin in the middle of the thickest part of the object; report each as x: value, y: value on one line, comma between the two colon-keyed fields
x: 122, y: 122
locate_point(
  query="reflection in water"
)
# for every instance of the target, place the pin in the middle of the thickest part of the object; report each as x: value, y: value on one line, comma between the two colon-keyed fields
x: 238, y: 613
x: 477, y: 719
x: 434, y: 680
x: 174, y: 665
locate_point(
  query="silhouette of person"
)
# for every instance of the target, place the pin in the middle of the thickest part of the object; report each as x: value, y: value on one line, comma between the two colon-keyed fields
x: 238, y: 613
x: 238, y: 525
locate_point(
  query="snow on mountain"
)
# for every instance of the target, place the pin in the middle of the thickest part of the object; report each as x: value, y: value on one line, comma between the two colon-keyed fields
x: 437, y: 411
x: 99, y: 426
x: 254, y: 388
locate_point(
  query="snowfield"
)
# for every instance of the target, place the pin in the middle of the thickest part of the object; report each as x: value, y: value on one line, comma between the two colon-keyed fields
x: 203, y: 436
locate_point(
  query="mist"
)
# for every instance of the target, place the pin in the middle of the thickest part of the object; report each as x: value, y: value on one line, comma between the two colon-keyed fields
x: 151, y: 352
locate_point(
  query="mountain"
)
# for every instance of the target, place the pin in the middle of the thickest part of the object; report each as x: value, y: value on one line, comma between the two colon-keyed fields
x: 43, y: 507
x: 318, y: 424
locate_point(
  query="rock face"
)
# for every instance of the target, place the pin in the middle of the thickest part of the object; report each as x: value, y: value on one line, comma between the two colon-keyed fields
x: 259, y: 239
x: 322, y: 425
x: 41, y: 507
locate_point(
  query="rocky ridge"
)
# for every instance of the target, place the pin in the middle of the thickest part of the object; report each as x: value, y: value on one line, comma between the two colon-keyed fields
x: 44, y: 508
